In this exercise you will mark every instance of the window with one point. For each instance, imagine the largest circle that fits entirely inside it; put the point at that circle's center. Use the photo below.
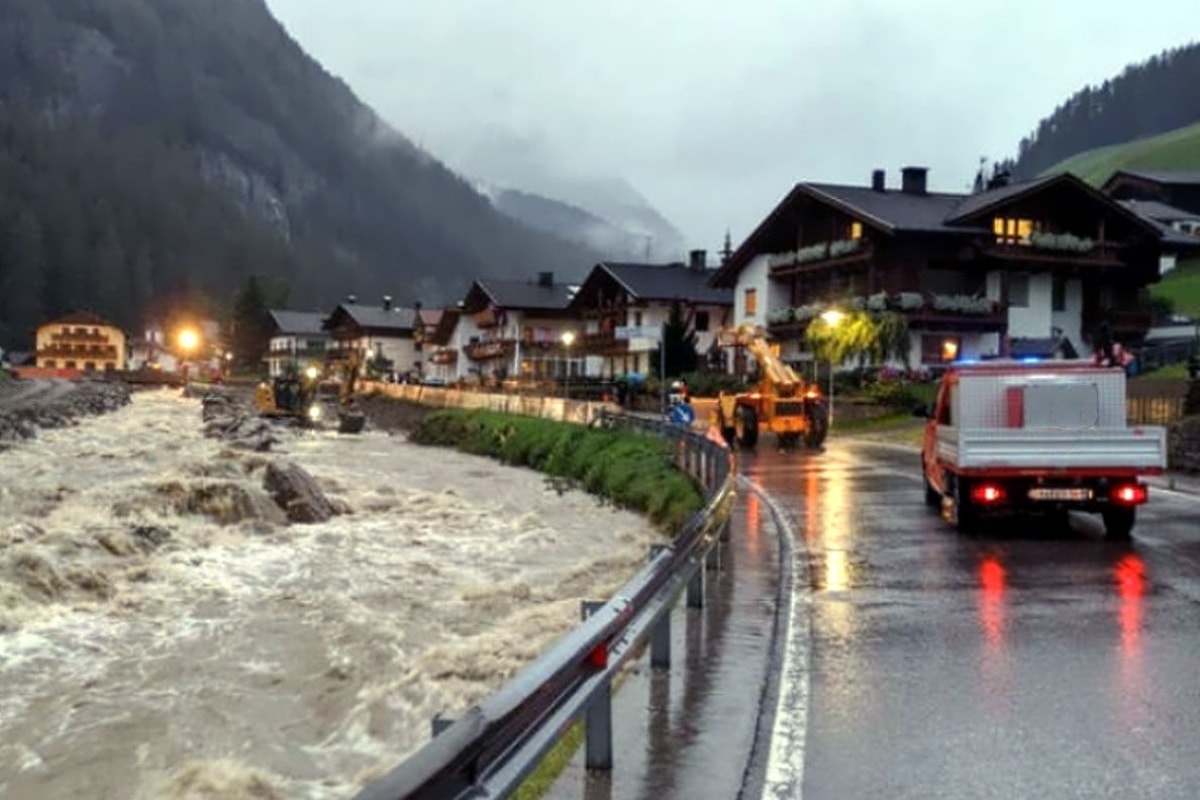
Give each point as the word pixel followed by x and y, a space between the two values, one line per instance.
pixel 940 349
pixel 855 230
pixel 701 321
pixel 751 303
pixel 1018 290
pixel 1058 294
pixel 1012 231
pixel 637 319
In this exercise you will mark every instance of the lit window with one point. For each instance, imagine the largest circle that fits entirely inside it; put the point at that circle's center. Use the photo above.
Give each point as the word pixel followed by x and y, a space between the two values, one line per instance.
pixel 1012 231
pixel 751 302
pixel 855 230
pixel 949 349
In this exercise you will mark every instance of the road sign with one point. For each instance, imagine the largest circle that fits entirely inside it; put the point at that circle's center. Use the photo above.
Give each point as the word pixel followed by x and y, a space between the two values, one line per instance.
pixel 637 332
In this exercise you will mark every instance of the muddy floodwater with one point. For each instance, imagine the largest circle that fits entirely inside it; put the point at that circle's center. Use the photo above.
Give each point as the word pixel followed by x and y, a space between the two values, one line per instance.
pixel 165 633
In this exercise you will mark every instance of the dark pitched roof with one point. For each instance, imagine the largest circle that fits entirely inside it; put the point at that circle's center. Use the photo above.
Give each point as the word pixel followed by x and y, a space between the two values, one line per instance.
pixel 1159 212
pixel 376 317
pixel 981 201
pixel 306 322
pixel 526 295
pixel 891 209
pixel 82 318
pixel 1163 176
pixel 668 282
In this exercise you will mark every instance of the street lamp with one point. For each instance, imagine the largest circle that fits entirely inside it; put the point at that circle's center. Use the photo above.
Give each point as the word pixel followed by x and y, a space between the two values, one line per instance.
pixel 568 338
pixel 189 340
pixel 831 317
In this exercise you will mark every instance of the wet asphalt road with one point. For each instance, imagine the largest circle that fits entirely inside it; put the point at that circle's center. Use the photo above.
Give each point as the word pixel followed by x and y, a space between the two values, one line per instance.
pixel 1022 661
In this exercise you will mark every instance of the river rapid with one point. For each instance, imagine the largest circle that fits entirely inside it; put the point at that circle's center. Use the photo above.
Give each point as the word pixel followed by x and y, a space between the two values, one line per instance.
pixel 160 640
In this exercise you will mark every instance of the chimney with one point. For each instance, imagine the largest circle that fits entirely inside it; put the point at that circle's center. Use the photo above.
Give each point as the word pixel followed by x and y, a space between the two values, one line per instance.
pixel 878 181
pixel 912 180
pixel 545 279
pixel 387 302
pixel 698 259
pixel 351 299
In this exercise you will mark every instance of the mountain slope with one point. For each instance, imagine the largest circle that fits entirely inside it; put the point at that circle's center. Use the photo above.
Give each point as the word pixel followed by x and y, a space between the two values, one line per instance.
pixel 1147 99
pixel 152 149
pixel 615 242
pixel 1175 150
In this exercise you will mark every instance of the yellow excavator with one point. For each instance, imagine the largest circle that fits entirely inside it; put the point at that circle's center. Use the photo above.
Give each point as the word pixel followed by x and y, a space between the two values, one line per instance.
pixel 291 395
pixel 780 402
pixel 295 395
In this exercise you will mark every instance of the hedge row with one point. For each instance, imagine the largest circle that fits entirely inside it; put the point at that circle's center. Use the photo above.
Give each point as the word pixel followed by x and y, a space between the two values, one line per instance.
pixel 630 470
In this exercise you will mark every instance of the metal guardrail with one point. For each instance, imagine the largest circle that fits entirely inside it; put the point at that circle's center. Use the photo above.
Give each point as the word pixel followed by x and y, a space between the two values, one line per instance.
pixel 493 747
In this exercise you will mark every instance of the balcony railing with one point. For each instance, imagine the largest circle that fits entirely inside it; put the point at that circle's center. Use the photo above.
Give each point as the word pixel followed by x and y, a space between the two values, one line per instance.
pixel 819 256
pixel 485 351
pixel 80 336
pixel 79 352
pixel 1079 251
pixel 445 356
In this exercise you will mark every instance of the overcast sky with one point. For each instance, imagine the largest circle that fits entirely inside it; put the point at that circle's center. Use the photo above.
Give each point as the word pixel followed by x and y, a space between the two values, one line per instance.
pixel 712 109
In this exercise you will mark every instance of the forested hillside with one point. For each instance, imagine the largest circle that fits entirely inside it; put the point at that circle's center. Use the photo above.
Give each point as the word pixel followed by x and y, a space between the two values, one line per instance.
pixel 154 152
pixel 1159 95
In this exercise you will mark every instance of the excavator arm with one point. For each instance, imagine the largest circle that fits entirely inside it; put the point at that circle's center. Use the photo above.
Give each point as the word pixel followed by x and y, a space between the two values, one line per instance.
pixel 782 377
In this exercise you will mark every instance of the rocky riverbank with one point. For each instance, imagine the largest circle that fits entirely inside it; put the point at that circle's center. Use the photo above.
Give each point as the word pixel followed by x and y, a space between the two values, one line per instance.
pixel 24 409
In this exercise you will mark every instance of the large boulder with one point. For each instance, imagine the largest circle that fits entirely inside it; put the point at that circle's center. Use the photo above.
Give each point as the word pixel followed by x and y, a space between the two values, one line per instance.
pixel 297 493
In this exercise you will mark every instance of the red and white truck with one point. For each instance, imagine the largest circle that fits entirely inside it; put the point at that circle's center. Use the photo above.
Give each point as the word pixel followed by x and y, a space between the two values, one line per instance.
pixel 1050 436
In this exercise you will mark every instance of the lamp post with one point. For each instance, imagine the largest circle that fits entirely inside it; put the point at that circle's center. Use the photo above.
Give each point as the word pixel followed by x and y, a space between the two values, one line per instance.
pixel 831 317
pixel 189 340
pixel 568 338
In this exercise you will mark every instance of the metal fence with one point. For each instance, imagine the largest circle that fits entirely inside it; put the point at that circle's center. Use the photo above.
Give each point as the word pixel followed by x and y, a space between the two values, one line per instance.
pixel 494 746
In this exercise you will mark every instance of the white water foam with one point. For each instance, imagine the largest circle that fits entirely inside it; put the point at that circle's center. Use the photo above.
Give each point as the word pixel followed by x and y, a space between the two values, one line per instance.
pixel 163 633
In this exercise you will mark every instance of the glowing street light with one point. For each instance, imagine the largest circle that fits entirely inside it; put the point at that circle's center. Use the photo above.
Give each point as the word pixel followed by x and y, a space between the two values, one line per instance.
pixel 189 340
pixel 831 318
pixel 568 339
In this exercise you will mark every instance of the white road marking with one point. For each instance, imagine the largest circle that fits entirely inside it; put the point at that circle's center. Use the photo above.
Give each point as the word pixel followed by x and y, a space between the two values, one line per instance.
pixel 784 779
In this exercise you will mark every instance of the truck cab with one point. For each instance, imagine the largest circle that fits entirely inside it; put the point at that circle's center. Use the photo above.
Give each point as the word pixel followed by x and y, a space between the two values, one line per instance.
pixel 1045 436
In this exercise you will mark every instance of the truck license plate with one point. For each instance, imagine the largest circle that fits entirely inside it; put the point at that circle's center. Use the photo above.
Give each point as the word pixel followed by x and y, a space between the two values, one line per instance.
pixel 1043 493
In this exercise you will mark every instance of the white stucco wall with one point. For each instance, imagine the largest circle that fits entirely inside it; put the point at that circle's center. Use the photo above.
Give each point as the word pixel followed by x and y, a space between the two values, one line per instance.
pixel 1035 319
pixel 755 276
pixel 1070 320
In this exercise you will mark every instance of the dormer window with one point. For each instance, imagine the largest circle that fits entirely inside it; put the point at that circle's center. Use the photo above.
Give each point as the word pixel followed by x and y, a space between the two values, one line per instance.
pixel 1012 230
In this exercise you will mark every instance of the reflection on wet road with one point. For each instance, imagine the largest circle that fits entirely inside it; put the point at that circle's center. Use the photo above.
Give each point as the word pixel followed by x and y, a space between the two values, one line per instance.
pixel 1024 661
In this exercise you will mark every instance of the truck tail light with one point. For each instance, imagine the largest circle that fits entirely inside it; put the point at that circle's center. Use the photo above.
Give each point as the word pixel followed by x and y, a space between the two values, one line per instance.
pixel 987 493
pixel 1129 494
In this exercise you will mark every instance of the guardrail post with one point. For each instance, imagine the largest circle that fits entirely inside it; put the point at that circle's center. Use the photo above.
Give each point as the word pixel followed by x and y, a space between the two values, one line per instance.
pixel 695 589
pixel 598 729
pixel 660 636
pixel 712 561
pixel 440 723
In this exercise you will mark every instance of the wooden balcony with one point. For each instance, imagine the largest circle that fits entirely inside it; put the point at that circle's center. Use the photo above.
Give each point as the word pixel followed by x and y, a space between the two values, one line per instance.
pixel 932 319
pixel 489 351
pixel 864 253
pixel 1100 255
pixel 602 343
pixel 78 352
pixel 445 355
pixel 82 337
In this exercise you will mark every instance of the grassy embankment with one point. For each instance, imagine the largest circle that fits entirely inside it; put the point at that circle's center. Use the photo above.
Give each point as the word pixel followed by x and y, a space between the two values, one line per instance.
pixel 630 470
